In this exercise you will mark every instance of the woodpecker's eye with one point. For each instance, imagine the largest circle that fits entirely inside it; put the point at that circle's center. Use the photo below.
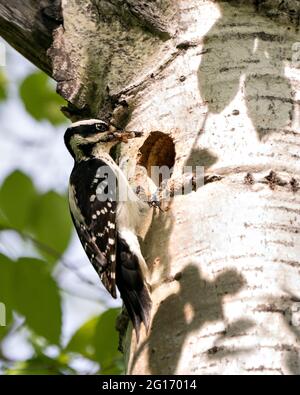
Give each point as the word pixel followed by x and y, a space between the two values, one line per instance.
pixel 101 127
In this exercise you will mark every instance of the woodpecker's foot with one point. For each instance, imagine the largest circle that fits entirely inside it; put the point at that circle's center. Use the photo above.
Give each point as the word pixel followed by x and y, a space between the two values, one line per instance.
pixel 154 201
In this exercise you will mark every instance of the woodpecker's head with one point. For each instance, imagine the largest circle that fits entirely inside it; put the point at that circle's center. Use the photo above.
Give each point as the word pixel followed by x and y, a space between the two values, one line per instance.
pixel 82 137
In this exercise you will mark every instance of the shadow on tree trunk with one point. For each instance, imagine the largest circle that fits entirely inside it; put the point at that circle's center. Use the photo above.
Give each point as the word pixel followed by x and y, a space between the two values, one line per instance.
pixel 255 60
pixel 198 301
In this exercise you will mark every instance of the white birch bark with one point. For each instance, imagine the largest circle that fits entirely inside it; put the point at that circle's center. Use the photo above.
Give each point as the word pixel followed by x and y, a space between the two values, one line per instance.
pixel 231 103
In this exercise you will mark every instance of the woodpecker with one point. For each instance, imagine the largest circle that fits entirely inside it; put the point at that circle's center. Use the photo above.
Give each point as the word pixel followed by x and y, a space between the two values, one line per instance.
pixel 108 224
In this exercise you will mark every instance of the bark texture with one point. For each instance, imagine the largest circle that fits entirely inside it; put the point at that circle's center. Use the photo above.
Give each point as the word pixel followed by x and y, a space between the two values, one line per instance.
pixel 28 26
pixel 216 82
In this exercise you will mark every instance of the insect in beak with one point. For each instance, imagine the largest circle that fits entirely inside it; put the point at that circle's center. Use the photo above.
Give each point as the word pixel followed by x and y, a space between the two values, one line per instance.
pixel 125 136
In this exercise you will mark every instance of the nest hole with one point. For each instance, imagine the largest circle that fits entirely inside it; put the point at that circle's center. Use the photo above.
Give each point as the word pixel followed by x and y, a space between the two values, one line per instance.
pixel 157 155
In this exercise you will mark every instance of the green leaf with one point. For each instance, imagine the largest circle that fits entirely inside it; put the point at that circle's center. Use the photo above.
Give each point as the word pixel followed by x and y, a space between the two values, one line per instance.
pixel 6 291
pixel 17 196
pixel 3 86
pixel 37 298
pixel 40 99
pixel 106 342
pixel 82 342
pixel 45 216
pixel 51 224
pixel 97 340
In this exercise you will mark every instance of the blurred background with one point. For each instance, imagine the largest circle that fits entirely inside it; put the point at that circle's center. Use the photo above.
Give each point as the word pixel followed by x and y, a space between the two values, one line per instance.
pixel 56 316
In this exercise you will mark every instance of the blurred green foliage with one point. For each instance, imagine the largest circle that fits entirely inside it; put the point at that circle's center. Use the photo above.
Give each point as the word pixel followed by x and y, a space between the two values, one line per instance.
pixel 37 298
pixel 40 99
pixel 28 287
pixel 44 217
pixel 97 340
pixel 17 199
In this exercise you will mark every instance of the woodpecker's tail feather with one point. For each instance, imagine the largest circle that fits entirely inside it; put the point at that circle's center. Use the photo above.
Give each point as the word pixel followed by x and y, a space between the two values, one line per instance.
pixel 132 287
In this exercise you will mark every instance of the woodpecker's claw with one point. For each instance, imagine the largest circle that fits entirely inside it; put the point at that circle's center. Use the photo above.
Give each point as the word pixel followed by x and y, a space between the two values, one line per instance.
pixel 154 202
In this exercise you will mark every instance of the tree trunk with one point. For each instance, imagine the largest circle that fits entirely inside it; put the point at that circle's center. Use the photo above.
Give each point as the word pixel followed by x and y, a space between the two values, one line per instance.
pixel 213 84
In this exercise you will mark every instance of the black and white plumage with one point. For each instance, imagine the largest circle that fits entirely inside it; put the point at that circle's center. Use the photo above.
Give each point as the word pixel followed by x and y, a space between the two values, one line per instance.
pixel 106 226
